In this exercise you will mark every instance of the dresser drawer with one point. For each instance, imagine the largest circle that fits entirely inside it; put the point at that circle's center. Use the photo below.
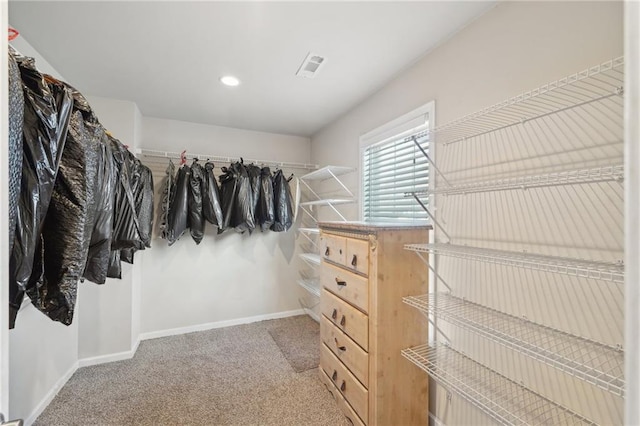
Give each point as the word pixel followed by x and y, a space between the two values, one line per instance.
pixel 344 406
pixel 333 248
pixel 347 285
pixel 347 318
pixel 355 394
pixel 357 255
pixel 347 351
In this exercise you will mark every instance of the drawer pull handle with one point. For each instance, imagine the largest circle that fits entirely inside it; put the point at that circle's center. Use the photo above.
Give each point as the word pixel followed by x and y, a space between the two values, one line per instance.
pixel 340 282
pixel 340 251
pixel 334 377
pixel 343 321
pixel 354 261
pixel 343 386
pixel 334 314
pixel 342 348
pixel 326 252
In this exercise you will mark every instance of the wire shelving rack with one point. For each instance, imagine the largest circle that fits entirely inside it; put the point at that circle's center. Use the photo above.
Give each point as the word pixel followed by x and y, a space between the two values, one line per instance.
pixel 599 364
pixel 504 400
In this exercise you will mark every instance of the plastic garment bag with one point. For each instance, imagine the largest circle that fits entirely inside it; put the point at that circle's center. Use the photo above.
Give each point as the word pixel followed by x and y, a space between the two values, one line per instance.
pixel 211 206
pixel 167 192
pixel 196 218
pixel 254 179
pixel 126 255
pixel 179 208
pixel 145 210
pixel 115 267
pixel 69 221
pixel 126 229
pixel 282 202
pixel 243 216
pixel 46 116
pixel 265 209
pixel 16 116
pixel 228 183
pixel 100 246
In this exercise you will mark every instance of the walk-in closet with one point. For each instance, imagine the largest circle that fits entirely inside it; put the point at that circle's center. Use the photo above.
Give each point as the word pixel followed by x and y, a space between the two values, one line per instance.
pixel 371 213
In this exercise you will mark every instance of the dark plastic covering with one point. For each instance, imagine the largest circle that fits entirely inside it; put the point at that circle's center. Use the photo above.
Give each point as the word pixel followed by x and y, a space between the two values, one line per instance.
pixel 254 179
pixel 126 229
pixel 126 255
pixel 243 215
pixel 196 217
pixel 46 116
pixel 265 210
pixel 115 267
pixel 143 199
pixel 228 183
pixel 100 247
pixel 211 206
pixel 179 208
pixel 69 222
pixel 16 116
pixel 168 184
pixel 283 203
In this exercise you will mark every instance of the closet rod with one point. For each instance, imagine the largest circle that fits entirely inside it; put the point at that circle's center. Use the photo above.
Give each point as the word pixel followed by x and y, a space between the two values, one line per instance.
pixel 217 158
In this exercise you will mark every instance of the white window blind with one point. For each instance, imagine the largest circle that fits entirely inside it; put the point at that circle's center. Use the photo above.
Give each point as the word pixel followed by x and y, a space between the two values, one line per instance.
pixel 392 168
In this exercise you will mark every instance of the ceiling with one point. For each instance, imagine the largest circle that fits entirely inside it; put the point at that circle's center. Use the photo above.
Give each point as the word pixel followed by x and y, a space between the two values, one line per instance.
pixel 167 57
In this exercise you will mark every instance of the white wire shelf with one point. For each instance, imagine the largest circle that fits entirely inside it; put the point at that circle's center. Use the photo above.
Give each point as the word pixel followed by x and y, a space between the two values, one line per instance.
pixel 504 400
pixel 327 202
pixel 327 172
pixel 311 258
pixel 593 84
pixel 594 362
pixel 606 271
pixel 222 159
pixel 309 230
pixel 310 285
pixel 573 177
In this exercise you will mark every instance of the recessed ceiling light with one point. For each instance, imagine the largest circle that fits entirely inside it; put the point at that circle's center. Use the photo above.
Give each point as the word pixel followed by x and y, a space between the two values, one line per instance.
pixel 229 80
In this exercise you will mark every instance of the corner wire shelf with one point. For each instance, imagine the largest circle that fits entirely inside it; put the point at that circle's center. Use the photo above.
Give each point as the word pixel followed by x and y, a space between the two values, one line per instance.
pixel 312 259
pixel 309 230
pixel 217 158
pixel 310 285
pixel 572 177
pixel 327 202
pixel 596 363
pixel 606 271
pixel 504 400
pixel 591 85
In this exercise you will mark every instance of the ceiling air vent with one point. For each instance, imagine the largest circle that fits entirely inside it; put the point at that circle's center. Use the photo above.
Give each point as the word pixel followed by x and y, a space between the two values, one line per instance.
pixel 310 66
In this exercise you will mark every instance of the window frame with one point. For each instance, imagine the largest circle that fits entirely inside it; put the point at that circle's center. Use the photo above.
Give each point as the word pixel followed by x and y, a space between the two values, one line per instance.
pixel 403 126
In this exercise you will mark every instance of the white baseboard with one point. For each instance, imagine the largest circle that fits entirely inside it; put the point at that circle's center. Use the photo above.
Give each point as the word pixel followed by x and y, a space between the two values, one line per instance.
pixel 103 359
pixel 218 324
pixel 49 396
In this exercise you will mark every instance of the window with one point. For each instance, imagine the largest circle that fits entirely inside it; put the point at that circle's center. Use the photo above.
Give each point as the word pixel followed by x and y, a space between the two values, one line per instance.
pixel 393 166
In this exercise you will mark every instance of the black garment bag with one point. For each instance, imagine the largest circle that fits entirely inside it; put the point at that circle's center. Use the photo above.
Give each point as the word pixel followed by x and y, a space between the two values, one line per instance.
pixel 211 206
pixel 167 192
pixel 69 221
pixel 228 183
pixel 179 208
pixel 196 217
pixel 243 213
pixel 283 203
pixel 265 209
pixel 46 117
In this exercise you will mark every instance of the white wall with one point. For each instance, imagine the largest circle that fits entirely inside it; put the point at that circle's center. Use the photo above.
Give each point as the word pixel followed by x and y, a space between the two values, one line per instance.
pixel 514 47
pixel 42 353
pixel 227 277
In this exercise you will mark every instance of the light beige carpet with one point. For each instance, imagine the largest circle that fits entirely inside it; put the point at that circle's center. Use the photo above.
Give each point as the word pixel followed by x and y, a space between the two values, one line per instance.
pixel 299 340
pixel 227 376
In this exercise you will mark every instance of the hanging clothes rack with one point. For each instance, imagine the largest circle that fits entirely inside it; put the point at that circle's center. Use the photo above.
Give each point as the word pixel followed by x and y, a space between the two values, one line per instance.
pixel 217 158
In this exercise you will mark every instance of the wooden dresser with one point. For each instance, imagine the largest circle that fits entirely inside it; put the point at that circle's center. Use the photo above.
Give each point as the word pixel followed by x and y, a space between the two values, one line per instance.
pixel 364 325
